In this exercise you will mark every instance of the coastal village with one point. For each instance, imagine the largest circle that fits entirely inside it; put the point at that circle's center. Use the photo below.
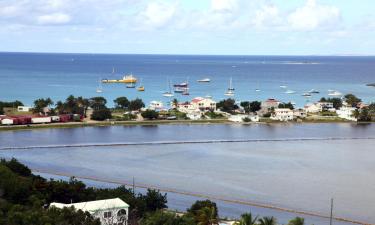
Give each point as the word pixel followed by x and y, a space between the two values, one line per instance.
pixel 348 108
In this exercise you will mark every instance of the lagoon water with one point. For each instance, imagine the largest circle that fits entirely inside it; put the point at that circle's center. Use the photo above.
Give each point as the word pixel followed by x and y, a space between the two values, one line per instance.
pixel 287 170
pixel 28 76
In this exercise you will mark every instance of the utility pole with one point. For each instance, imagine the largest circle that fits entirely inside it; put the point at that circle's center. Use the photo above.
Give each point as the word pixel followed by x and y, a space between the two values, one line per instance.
pixel 331 217
pixel 133 187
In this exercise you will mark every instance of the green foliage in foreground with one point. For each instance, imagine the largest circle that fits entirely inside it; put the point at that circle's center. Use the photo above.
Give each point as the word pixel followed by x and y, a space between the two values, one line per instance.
pixel 23 197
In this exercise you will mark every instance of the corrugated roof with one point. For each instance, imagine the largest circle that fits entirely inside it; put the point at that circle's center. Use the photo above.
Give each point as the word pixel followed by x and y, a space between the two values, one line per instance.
pixel 93 206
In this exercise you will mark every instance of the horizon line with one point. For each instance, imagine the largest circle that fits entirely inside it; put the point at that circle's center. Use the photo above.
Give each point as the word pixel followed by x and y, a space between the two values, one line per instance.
pixel 187 54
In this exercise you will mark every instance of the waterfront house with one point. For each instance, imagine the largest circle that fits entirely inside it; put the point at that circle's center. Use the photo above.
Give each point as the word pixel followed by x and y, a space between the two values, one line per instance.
pixel 108 211
pixel 299 113
pixel 346 113
pixel 326 106
pixel 197 104
pixel 270 103
pixel 283 114
pixel 267 105
pixel 204 104
pixel 156 105
pixel 312 108
pixel 23 109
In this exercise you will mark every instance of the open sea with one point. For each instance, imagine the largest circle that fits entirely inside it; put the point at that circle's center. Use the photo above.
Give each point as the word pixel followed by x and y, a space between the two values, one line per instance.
pixel 28 76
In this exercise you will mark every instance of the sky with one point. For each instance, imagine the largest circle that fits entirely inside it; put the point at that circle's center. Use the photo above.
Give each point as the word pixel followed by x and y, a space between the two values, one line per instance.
pixel 218 27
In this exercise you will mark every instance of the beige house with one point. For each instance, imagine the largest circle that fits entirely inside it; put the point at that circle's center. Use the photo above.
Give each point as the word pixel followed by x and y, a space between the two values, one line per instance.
pixel 283 114
pixel 203 104
pixel 197 104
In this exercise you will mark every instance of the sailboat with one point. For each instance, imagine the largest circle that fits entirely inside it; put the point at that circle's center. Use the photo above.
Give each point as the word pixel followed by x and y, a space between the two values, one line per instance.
pixel 141 87
pixel 257 90
pixel 230 90
pixel 99 89
pixel 169 92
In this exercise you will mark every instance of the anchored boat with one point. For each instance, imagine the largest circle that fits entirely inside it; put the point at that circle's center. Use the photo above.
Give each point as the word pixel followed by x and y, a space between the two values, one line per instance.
pixel 127 79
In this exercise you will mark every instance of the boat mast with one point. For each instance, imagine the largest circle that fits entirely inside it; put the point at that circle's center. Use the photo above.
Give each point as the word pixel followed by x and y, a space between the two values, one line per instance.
pixel 331 216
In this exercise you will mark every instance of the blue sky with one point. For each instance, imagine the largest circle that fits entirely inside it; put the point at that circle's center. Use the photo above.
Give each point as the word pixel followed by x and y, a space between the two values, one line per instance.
pixel 246 27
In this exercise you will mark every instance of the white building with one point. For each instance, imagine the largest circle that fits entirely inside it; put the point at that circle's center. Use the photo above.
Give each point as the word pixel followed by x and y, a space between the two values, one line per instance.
pixel 312 108
pixel 240 118
pixel 23 109
pixel 283 114
pixel 109 211
pixel 346 113
pixel 156 105
pixel 325 106
pixel 299 113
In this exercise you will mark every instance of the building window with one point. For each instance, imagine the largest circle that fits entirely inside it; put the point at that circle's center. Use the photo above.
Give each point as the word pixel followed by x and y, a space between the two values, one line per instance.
pixel 107 214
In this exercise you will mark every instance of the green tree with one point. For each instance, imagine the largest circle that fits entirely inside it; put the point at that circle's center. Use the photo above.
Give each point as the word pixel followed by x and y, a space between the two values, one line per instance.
pixel 155 200
pixel 121 102
pixel 194 210
pixel 175 103
pixel 352 100
pixel 136 104
pixel 247 219
pixel 255 106
pixel 101 114
pixel 41 103
pixel 166 218
pixel 288 105
pixel 267 221
pixel 227 105
pixel 207 216
pixel 246 106
pixel 150 114
pixel 98 103
pixel 297 221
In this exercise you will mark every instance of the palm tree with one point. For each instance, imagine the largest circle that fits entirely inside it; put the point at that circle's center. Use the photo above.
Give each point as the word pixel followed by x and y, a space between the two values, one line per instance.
pixel 207 216
pixel 297 221
pixel 267 220
pixel 175 103
pixel 247 219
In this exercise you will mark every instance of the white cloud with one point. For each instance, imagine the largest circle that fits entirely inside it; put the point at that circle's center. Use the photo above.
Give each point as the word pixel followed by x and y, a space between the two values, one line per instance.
pixel 224 5
pixel 268 15
pixel 313 15
pixel 156 15
pixel 54 19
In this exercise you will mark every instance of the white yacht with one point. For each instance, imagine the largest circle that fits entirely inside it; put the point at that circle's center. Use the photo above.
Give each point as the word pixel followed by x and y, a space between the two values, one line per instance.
pixel 230 90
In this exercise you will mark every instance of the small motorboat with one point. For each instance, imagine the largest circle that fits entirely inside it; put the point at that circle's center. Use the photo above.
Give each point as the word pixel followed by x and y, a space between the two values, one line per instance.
pixel 335 93
pixel 307 94
pixel 283 86
pixel 313 91
pixel 290 92
pixel 204 80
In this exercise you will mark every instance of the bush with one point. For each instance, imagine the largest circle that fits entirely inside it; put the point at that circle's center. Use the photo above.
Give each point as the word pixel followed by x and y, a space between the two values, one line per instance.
pixel 101 114
pixel 150 114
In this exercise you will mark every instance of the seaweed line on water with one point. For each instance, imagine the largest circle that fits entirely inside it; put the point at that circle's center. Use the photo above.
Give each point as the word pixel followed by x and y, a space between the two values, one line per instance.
pixel 182 142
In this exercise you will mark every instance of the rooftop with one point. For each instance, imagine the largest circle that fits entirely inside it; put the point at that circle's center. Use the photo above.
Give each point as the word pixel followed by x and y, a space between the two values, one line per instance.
pixel 93 206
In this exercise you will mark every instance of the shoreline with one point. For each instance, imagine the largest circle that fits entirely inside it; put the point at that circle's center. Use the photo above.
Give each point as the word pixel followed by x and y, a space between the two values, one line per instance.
pixel 162 122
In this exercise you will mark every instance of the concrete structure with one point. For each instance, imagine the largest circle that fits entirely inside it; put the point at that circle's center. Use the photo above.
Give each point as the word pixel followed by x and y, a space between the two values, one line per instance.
pixel 23 109
pixel 346 113
pixel 109 211
pixel 283 114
